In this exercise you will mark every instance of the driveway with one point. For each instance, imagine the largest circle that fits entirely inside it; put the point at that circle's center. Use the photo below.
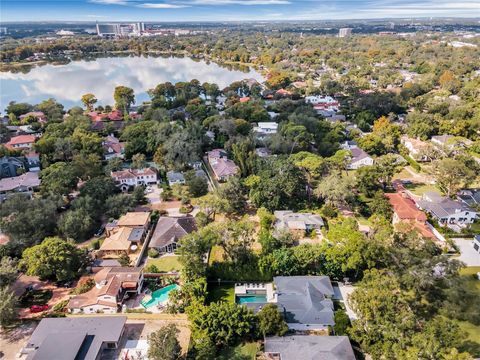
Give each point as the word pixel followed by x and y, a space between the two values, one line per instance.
pixel 342 292
pixel 467 254
pixel 13 340
pixel 154 197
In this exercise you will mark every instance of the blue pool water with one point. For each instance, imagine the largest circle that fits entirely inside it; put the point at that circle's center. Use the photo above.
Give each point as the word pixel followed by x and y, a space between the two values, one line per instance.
pixel 159 296
pixel 251 299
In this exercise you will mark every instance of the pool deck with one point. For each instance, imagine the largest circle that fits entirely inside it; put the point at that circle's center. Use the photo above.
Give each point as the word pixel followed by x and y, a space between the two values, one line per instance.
pixel 256 289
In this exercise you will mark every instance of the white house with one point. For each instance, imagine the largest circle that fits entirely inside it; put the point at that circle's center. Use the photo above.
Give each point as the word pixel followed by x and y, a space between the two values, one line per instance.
pixel 134 177
pixel 359 158
pixel 264 129
pixel 414 147
pixel 452 213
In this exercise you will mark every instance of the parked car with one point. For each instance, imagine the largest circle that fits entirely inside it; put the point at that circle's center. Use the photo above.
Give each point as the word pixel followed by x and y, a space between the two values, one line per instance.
pixel 100 231
pixel 148 190
pixel 38 308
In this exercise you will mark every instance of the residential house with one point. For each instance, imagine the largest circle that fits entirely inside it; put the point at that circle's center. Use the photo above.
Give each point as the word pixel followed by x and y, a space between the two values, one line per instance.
pixel 441 139
pixel 471 197
pixel 113 148
pixel 174 177
pixel 299 224
pixel 405 211
pixel 38 115
pixel 358 159
pixel 452 213
pixel 305 301
pixel 113 285
pixel 24 184
pixel 169 231
pixel 308 347
pixel 33 160
pixel 125 236
pixel 128 178
pixel 21 142
pixel 414 147
pixel 11 166
pixel 323 103
pixel 74 338
pixel 264 129
pixel 222 167
pixel 348 145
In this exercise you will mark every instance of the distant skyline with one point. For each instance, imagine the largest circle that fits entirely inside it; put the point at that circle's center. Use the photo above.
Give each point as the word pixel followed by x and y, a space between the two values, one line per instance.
pixel 230 10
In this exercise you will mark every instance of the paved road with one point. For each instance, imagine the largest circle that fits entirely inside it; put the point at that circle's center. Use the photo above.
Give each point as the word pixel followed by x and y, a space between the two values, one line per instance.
pixel 467 254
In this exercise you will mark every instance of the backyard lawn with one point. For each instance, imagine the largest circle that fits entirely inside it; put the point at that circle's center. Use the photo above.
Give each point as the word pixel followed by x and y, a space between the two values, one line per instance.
pixel 419 188
pixel 247 351
pixel 165 263
pixel 221 293
pixel 472 344
pixel 216 254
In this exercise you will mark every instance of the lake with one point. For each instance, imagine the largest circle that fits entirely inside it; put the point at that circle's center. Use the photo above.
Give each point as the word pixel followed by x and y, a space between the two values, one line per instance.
pixel 67 83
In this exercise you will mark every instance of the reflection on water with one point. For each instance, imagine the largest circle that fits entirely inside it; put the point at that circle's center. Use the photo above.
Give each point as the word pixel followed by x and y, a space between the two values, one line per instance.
pixel 67 83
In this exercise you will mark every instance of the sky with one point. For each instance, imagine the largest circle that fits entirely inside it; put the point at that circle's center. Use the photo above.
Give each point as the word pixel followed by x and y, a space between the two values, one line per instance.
pixel 230 10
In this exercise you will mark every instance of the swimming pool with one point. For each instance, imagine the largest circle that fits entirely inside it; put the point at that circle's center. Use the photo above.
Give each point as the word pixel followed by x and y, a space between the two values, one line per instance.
pixel 246 299
pixel 159 296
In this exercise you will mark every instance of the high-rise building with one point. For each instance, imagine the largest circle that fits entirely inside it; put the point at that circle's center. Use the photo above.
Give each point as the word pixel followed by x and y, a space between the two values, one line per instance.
pixel 116 30
pixel 344 32
pixel 108 30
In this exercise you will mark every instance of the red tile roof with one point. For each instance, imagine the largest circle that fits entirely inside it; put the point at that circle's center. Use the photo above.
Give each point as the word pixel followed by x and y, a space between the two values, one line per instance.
pixel 21 139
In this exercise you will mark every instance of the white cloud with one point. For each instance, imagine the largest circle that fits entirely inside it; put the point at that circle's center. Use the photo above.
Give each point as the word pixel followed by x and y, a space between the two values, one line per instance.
pixel 161 6
pixel 96 16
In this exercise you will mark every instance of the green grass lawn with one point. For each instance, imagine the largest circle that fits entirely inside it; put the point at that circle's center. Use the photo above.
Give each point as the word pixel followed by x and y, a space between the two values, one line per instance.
pixel 216 254
pixel 472 345
pixel 419 188
pixel 245 351
pixel 165 263
pixel 35 297
pixel 221 293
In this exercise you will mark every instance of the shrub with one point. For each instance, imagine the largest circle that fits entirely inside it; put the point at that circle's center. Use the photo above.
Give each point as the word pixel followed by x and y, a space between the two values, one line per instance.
pixel 152 253
pixel 186 209
pixel 152 268
pixel 83 286
pixel 96 244
pixel 342 322
pixel 60 307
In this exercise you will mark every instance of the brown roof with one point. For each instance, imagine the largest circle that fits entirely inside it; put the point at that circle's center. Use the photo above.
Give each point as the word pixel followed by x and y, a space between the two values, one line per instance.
pixel 170 229
pixel 405 208
pixel 224 167
pixel 118 240
pixel 131 173
pixel 134 219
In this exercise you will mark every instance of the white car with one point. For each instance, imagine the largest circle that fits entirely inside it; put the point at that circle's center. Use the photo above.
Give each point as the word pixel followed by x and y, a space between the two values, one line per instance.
pixel 148 189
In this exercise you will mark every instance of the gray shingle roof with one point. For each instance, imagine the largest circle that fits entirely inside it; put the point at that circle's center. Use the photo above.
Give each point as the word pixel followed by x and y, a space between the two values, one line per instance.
pixel 303 299
pixel 171 229
pixel 67 338
pixel 310 347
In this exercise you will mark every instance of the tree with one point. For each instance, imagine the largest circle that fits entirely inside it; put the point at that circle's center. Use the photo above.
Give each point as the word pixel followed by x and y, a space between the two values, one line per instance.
pixel 271 321
pixel 231 194
pixel 8 306
pixel 113 164
pixel 77 224
pixel 139 161
pixel 124 98
pixel 59 178
pixel 280 186
pixel 223 322
pixel 163 344
pixel 197 185
pixel 235 237
pixel 8 271
pixel 342 322
pixel 335 189
pixel 117 205
pixel 89 100
pixel 27 222
pixel 53 259
pixel 451 175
